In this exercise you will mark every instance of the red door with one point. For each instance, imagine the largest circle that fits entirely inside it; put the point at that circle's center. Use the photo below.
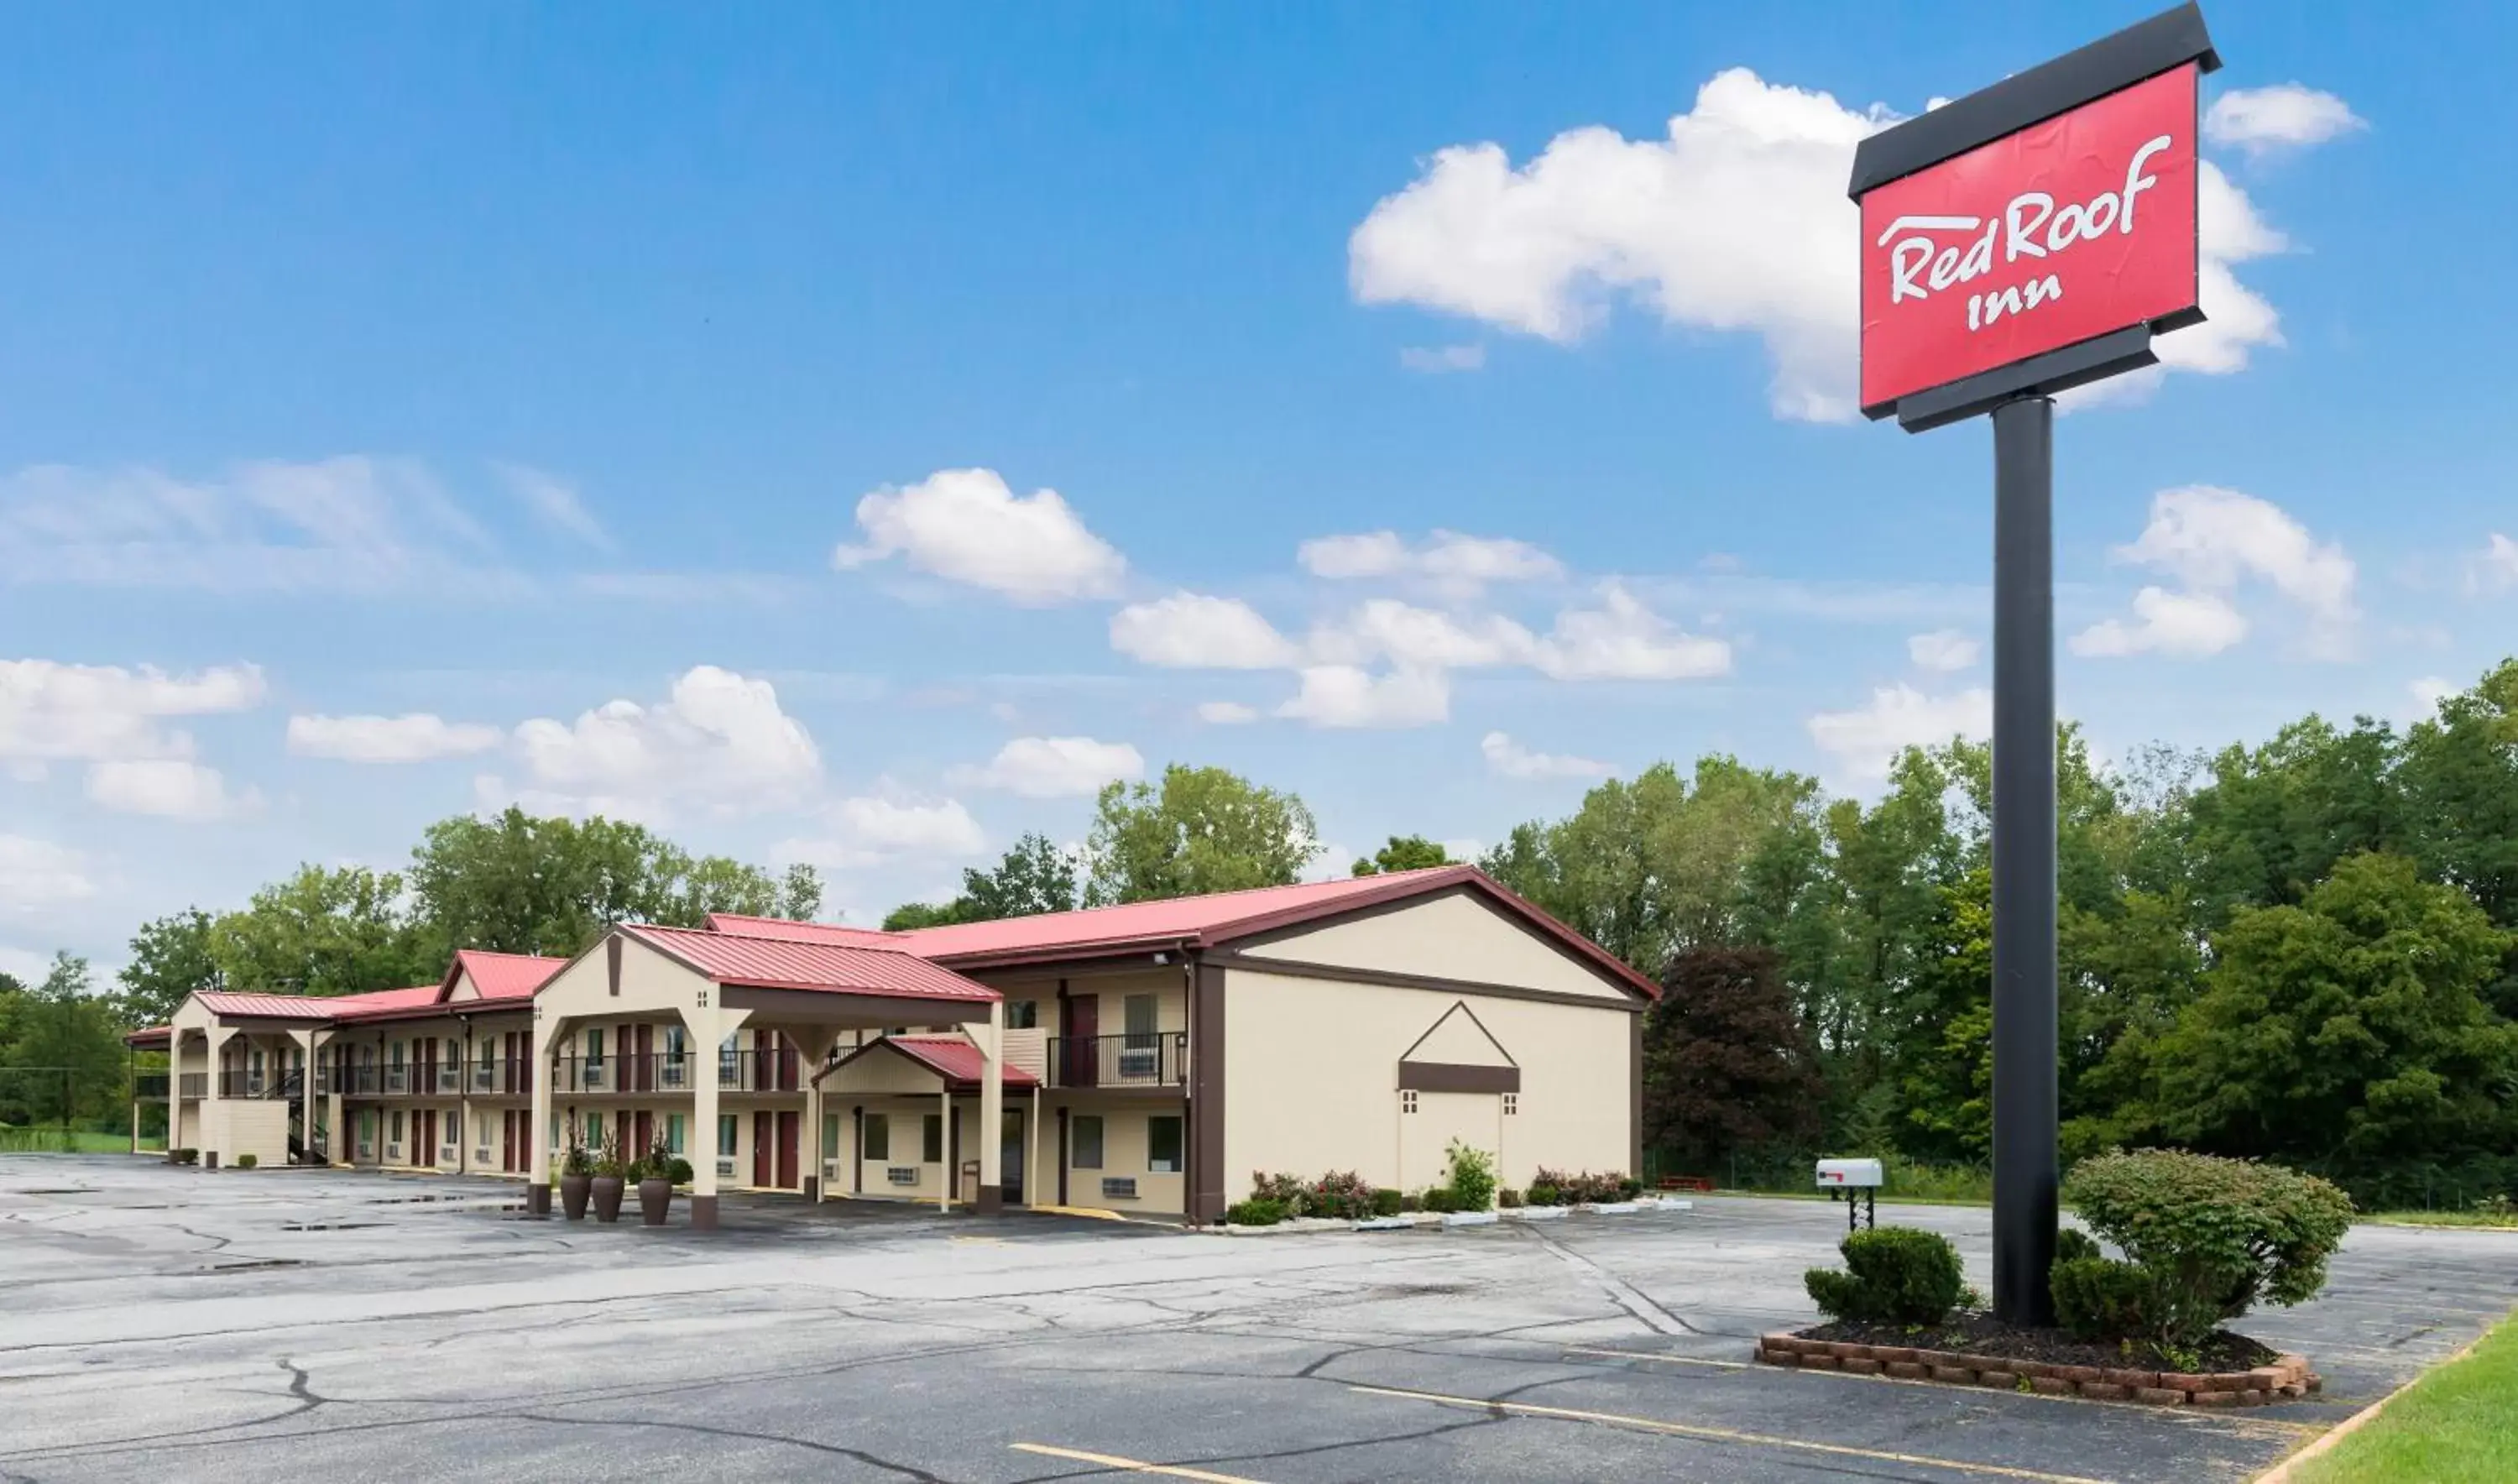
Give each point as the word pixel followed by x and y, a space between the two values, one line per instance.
pixel 646 1131
pixel 1083 1047
pixel 788 1123
pixel 426 1153
pixel 764 1131
pixel 507 1141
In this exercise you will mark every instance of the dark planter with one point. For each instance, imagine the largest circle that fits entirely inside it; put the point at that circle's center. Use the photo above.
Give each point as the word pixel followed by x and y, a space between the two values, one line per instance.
pixel 607 1197
pixel 573 1190
pixel 655 1201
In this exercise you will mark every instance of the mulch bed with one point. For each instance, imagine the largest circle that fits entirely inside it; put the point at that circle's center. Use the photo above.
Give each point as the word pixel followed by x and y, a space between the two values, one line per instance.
pixel 1984 1335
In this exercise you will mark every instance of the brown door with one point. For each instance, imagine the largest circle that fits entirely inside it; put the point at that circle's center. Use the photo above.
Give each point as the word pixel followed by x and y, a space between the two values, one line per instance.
pixel 765 1132
pixel 426 1153
pixel 788 1123
pixel 1083 1047
pixel 643 1079
pixel 507 1141
pixel 646 1131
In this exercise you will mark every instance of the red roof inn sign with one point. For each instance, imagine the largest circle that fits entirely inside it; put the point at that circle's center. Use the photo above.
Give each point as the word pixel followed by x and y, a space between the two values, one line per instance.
pixel 2008 235
pixel 2019 243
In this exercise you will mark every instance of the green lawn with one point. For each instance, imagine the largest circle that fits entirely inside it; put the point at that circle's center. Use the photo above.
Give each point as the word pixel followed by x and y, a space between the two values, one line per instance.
pixel 2460 1421
pixel 53 1141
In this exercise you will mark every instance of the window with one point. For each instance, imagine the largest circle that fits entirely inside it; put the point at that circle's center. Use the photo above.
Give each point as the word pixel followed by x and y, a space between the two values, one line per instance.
pixel 830 1136
pixel 1408 1100
pixel 594 1130
pixel 594 1049
pixel 726 1136
pixel 555 1140
pixel 1163 1145
pixel 874 1133
pixel 397 1127
pixel 1512 1104
pixel 1086 1136
pixel 675 1044
pixel 932 1139
pixel 1023 1014
pixel 397 1053
pixel 729 1063
pixel 676 1130
pixel 1140 1012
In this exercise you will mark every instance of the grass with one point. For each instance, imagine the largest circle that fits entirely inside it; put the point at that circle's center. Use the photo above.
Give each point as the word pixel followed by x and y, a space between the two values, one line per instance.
pixel 2460 1421
pixel 2441 1218
pixel 56 1141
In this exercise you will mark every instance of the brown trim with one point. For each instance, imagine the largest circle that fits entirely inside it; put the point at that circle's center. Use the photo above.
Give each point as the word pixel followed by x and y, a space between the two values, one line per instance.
pixel 612 964
pixel 856 1148
pixel 1007 979
pixel 1206 1093
pixel 1298 969
pixel 840 1007
pixel 1457 1077
pixel 1062 1154
pixel 1458 1007
pixel 1635 1097
pixel 1075 959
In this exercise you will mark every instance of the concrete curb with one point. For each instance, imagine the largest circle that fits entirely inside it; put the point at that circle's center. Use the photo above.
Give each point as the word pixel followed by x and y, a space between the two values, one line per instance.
pixel 2288 1377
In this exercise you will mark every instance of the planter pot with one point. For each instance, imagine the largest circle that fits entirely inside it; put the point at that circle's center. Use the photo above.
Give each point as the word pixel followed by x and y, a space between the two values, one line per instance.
pixel 655 1201
pixel 573 1191
pixel 607 1197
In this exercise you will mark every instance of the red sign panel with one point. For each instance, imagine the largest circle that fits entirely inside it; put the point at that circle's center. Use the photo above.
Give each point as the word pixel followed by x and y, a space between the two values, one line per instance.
pixel 2070 228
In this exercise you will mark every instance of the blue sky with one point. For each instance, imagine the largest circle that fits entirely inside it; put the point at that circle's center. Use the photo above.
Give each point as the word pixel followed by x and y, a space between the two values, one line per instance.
pixel 492 369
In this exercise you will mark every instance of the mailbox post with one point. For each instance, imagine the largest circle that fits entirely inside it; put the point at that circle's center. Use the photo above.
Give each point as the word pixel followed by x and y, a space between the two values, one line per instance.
pixel 1855 1178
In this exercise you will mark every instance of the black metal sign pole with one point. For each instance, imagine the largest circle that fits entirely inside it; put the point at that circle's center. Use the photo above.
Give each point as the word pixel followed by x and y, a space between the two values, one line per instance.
pixel 2024 1044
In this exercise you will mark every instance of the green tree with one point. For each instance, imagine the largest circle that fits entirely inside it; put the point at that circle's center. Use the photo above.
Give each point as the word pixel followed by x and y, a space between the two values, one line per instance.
pixel 1404 853
pixel 65 1052
pixel 1727 1065
pixel 1202 829
pixel 344 930
pixel 2347 1031
pixel 2460 784
pixel 910 916
pixel 1034 877
pixel 170 958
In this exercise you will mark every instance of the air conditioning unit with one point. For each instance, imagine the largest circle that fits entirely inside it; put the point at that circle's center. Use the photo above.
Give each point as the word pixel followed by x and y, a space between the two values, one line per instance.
pixel 902 1174
pixel 393 1151
pixel 725 1169
pixel 480 1157
pixel 1119 1188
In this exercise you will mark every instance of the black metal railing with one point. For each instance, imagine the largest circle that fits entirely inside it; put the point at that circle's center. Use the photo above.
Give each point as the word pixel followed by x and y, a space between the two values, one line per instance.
pixel 1145 1059
pixel 245 1083
pixel 150 1086
pixel 658 1071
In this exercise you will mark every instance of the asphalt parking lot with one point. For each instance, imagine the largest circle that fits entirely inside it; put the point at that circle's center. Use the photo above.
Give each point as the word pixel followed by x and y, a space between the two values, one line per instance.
pixel 161 1323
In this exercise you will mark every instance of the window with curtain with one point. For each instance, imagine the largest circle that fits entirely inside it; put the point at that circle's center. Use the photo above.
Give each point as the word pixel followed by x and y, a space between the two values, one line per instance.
pixel 1086 1138
pixel 726 1136
pixel 1163 1145
pixel 874 1133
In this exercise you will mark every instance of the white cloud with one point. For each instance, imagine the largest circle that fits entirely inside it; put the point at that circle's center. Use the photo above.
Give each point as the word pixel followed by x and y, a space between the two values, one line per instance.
pixel 2212 540
pixel 1194 632
pixel 171 788
pixel 414 737
pixel 965 525
pixel 2496 566
pixel 2185 624
pixel 1346 696
pixel 555 503
pixel 1421 638
pixel 39 877
pixel 1866 740
pixel 1460 565
pixel 1508 759
pixel 1227 713
pixel 1437 359
pixel 884 830
pixel 1942 649
pixel 719 741
pixel 51 711
pixel 2287 116
pixel 2428 692
pixel 1054 768
pixel 1624 641
pixel 1736 220
pixel 349 525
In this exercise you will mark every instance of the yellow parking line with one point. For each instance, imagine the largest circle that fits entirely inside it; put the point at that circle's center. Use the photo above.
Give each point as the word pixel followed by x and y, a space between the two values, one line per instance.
pixel 1130 1465
pixel 1726 1435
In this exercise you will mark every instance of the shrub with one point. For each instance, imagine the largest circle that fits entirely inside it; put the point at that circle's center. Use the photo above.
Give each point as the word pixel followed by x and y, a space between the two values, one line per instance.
pixel 677 1169
pixel 1341 1193
pixel 186 1156
pixel 1439 1198
pixel 579 1160
pixel 1628 1187
pixel 1585 1187
pixel 246 1161
pixel 1510 1199
pixel 1543 1193
pixel 1287 1191
pixel 1386 1203
pixel 1409 1203
pixel 2071 1244
pixel 2098 1298
pixel 2214 1236
pixel 1472 1177
pixel 1893 1275
pixel 1258 1210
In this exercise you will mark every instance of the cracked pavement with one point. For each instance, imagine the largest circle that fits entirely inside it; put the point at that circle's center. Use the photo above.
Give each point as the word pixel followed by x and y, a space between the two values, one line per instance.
pixel 157 1321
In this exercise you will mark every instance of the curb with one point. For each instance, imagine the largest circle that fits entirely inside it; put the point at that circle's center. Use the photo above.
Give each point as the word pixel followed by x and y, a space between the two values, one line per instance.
pixel 2286 1379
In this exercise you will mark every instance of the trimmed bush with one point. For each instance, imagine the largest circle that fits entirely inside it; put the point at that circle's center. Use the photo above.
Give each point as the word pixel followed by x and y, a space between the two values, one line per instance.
pixel 1508 1199
pixel 186 1156
pixel 2099 1298
pixel 1472 1177
pixel 1285 1190
pixel 246 1161
pixel 1585 1187
pixel 1342 1194
pixel 1543 1193
pixel 1409 1203
pixel 1256 1211
pixel 2071 1244
pixel 1893 1275
pixel 1386 1203
pixel 2213 1236
pixel 1439 1198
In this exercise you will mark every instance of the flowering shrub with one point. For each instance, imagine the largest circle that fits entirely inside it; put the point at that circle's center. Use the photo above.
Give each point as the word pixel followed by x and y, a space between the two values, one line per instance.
pixel 1580 1189
pixel 1341 1195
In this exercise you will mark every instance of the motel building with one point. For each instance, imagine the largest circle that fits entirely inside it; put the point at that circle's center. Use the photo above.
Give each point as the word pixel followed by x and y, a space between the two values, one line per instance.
pixel 1145 1059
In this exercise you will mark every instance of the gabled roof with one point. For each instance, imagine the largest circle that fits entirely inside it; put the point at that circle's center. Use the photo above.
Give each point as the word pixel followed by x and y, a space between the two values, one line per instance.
pixel 242 1004
pixel 1196 922
pixel 738 925
pixel 773 963
pixel 500 975
pixel 350 1006
pixel 151 1039
pixel 950 1057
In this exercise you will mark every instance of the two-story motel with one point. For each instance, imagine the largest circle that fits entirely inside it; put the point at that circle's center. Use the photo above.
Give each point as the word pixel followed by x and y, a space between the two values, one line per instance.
pixel 1146 1057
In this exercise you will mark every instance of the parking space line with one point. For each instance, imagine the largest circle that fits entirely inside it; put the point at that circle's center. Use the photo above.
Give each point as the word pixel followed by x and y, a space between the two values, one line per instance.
pixel 2221 1422
pixel 1129 1465
pixel 1726 1435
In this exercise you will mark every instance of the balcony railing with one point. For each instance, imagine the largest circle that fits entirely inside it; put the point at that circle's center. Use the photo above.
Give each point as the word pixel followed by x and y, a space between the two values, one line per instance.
pixel 150 1086
pixel 1157 1059
pixel 194 1084
pixel 778 1070
pixel 245 1083
pixel 368 1079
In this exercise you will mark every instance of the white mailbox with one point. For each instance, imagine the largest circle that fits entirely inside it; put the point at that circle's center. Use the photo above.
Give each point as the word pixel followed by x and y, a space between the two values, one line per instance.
pixel 1848 1174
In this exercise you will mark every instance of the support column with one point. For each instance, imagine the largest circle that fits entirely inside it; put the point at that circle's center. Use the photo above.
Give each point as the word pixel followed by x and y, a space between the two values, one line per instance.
pixel 952 1169
pixel 1032 1150
pixel 813 1045
pixel 537 1176
pixel 2024 1051
pixel 213 1126
pixel 707 1027
pixel 135 1123
pixel 305 1040
pixel 992 1112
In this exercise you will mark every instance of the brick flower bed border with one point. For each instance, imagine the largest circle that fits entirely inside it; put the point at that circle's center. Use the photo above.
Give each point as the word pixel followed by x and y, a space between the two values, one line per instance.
pixel 2286 1379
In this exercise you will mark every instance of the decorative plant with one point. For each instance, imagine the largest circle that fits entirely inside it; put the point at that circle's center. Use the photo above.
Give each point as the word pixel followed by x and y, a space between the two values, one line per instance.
pixel 1439 1198
pixel 246 1161
pixel 1258 1210
pixel 1339 1193
pixel 579 1160
pixel 1472 1177
pixel 1285 1190
pixel 607 1160
pixel 1387 1203
pixel 1508 1199
pixel 1894 1274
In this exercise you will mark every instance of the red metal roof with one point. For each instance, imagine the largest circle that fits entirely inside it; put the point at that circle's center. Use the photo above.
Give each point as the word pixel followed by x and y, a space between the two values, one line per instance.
pixel 150 1037
pixel 501 976
pixel 1202 922
pixel 772 963
pixel 352 1006
pixel 737 924
pixel 952 1058
pixel 269 1007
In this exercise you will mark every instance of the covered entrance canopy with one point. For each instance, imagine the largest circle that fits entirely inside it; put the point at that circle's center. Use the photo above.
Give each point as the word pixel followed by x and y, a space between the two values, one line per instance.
pixel 808 991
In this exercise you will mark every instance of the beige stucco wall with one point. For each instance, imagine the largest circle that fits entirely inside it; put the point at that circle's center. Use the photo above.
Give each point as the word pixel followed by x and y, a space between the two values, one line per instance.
pixel 1458 938
pixel 1311 1077
pixel 1123 1156
pixel 257 1126
pixel 1168 984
